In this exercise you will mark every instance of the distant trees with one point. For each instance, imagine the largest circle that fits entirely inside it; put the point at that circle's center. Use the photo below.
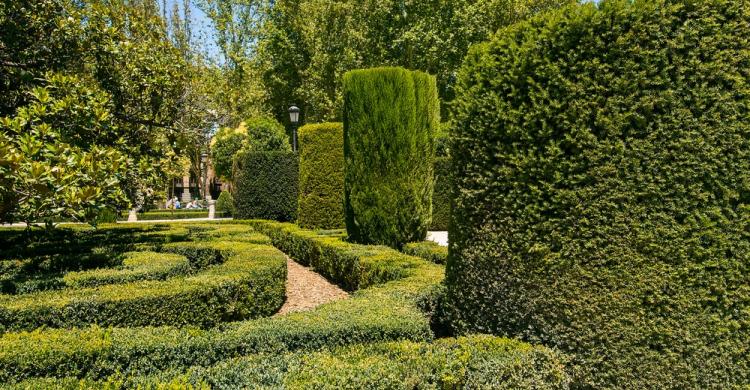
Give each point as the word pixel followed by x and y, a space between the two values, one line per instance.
pixel 307 46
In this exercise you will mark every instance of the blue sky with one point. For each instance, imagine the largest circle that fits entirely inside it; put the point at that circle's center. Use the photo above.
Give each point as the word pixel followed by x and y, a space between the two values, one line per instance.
pixel 202 30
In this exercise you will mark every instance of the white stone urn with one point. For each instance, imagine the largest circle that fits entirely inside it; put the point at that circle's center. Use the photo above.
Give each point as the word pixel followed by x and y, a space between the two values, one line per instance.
pixel 133 215
pixel 211 209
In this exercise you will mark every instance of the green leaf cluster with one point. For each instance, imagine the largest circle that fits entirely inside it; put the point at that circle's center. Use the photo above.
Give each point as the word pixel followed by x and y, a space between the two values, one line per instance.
pixel 602 169
pixel 441 197
pixel 51 163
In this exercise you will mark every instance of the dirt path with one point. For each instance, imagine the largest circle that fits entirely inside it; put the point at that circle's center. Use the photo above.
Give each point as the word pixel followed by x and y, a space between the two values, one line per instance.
pixel 306 289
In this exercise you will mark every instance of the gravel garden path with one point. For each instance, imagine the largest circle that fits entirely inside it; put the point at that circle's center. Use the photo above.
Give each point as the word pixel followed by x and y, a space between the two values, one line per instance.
pixel 306 289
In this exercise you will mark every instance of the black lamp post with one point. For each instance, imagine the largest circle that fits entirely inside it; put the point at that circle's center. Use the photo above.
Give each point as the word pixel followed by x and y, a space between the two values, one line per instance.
pixel 294 118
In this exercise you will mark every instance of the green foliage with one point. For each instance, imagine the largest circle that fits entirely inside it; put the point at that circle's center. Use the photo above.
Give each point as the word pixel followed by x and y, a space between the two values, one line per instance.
pixel 390 118
pixel 123 75
pixel 601 191
pixel 265 135
pixel 136 266
pixel 428 250
pixel 381 312
pixel 266 185
pixel 351 266
pixel 257 135
pixel 321 176
pixel 247 282
pixel 469 362
pixel 51 166
pixel 441 197
pixel 306 46
pixel 224 147
pixel 225 204
pixel 442 140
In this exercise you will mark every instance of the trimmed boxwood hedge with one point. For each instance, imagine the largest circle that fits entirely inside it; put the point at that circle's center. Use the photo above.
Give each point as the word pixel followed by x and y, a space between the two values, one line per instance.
pixel 321 176
pixel 248 282
pixel 351 266
pixel 136 266
pixel 468 362
pixel 391 116
pixel 602 197
pixel 175 214
pixel 265 185
pixel 428 250
pixel 441 198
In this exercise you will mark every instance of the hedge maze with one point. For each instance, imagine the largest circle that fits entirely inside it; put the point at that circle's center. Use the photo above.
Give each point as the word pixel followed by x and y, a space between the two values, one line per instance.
pixel 191 305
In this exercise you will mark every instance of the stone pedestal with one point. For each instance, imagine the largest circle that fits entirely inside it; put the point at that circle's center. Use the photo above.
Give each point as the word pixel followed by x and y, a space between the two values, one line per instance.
pixel 133 215
pixel 211 209
pixel 185 198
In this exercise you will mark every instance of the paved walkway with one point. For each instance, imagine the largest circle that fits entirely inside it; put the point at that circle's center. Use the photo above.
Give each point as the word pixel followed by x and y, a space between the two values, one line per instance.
pixel 439 237
pixel 306 289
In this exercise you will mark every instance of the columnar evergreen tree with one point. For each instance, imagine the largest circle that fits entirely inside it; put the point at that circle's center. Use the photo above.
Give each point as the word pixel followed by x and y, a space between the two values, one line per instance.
pixel 390 119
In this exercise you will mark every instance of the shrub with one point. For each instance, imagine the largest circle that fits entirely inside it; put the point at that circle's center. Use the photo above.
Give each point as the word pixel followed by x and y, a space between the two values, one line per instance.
pixel 136 266
pixel 442 140
pixel 225 204
pixel 470 362
pixel 321 176
pixel 390 118
pixel 428 250
pixel 441 198
pixel 266 185
pixel 248 283
pixel 602 163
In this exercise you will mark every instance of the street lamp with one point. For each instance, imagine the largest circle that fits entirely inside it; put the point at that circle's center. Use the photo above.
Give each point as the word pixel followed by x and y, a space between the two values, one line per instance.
pixel 294 118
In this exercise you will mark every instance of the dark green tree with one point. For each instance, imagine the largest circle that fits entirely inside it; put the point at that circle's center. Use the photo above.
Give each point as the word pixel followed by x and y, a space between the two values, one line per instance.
pixel 602 167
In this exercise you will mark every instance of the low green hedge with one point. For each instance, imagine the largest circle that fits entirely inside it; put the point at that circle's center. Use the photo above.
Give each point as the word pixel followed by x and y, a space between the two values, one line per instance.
pixel 351 266
pixel 321 176
pixel 428 250
pixel 383 312
pixel 467 362
pixel 136 266
pixel 249 283
pixel 266 185
pixel 176 214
